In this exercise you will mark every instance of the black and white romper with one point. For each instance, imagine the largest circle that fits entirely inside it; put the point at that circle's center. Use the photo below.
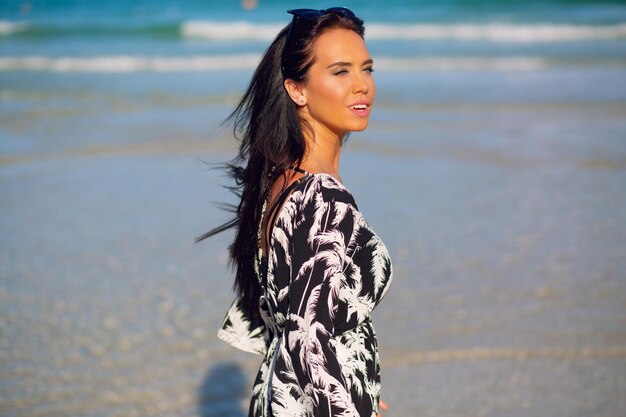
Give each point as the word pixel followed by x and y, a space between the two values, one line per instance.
pixel 325 272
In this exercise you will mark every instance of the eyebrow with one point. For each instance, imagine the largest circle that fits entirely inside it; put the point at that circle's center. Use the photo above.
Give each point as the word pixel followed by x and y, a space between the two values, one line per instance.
pixel 349 64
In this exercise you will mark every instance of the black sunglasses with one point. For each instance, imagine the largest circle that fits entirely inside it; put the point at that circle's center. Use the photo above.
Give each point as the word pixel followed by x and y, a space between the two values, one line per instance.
pixel 311 15
pixel 314 13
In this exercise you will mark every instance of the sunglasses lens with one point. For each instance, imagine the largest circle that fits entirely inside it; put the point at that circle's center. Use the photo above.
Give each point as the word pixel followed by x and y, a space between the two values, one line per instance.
pixel 306 13
pixel 314 14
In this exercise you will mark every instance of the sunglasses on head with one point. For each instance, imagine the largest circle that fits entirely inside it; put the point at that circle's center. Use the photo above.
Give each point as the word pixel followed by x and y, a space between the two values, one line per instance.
pixel 312 14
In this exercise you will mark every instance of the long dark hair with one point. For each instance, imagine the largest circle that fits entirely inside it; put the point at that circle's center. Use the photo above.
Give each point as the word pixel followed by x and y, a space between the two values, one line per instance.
pixel 271 134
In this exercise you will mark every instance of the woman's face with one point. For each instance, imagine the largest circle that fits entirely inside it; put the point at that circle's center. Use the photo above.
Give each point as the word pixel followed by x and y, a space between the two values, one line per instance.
pixel 339 89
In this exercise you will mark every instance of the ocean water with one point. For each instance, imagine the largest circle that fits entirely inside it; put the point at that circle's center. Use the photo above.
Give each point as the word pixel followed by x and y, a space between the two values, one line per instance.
pixel 494 168
pixel 108 37
pixel 64 57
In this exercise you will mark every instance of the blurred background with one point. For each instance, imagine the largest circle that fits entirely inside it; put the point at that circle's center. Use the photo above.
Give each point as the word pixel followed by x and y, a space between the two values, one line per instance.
pixel 494 169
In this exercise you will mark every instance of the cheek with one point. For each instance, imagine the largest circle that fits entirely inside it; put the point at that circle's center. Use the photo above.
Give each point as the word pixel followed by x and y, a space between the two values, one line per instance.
pixel 329 92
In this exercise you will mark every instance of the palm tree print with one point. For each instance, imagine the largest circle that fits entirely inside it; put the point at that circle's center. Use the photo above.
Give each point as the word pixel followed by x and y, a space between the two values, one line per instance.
pixel 326 271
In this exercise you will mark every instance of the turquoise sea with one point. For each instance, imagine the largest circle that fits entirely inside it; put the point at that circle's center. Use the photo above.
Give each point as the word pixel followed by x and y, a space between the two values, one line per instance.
pixel 494 169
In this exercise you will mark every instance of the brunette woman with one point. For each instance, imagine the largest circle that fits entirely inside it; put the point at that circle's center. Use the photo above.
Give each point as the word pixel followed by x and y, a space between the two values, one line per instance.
pixel 309 269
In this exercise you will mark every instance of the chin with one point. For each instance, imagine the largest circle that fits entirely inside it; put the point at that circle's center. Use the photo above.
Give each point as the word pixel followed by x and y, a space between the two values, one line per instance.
pixel 358 127
pixel 354 126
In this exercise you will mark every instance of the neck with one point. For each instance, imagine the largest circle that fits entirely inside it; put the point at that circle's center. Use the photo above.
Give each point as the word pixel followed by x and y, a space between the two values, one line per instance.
pixel 323 149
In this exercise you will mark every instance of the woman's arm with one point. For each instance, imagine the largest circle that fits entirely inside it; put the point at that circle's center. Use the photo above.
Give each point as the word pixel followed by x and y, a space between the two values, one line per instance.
pixel 319 245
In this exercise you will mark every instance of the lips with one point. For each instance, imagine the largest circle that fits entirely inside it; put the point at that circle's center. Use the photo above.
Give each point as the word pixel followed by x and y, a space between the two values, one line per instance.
pixel 360 108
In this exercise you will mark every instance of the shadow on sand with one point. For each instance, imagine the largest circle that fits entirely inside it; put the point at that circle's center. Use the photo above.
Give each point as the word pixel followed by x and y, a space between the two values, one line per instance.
pixel 222 392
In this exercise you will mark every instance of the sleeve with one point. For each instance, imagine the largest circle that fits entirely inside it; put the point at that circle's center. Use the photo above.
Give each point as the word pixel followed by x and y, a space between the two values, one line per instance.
pixel 242 332
pixel 319 247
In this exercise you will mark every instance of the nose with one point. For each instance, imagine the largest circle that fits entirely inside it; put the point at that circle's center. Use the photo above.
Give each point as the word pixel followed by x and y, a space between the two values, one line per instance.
pixel 360 83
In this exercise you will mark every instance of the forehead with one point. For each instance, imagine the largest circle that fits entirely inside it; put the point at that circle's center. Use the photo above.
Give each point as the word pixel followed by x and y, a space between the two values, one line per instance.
pixel 340 45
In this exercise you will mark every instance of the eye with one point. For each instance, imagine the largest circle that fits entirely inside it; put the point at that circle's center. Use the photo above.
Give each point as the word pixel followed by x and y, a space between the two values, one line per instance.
pixel 369 69
pixel 341 72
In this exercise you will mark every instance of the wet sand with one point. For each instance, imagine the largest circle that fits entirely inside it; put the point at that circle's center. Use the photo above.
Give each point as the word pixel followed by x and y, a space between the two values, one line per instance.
pixel 505 222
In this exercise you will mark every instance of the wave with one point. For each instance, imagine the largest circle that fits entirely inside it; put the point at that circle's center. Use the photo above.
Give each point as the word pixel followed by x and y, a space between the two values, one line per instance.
pixel 249 31
pixel 461 64
pixel 496 32
pixel 33 30
pixel 130 64
pixel 222 31
pixel 10 28
pixel 125 63
pixel 491 32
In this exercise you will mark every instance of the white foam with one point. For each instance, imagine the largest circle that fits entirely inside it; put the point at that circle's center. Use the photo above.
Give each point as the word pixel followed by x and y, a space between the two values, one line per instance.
pixel 495 32
pixel 127 64
pixel 490 32
pixel 390 64
pixel 222 31
pixel 116 64
pixel 487 32
pixel 9 28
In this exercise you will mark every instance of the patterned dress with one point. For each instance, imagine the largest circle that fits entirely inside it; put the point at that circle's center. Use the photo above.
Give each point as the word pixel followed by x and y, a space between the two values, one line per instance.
pixel 325 272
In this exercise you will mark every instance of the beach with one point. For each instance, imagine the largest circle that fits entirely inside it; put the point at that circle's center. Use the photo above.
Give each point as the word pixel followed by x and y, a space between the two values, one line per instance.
pixel 494 169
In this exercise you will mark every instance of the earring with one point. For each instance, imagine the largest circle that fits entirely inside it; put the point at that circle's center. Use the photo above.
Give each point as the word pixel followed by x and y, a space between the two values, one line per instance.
pixel 301 101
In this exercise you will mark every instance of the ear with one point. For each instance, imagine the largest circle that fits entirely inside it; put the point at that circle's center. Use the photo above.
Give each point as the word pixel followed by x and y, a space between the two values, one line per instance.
pixel 295 91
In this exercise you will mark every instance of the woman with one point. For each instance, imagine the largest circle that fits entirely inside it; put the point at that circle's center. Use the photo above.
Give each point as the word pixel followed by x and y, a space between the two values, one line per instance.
pixel 309 269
